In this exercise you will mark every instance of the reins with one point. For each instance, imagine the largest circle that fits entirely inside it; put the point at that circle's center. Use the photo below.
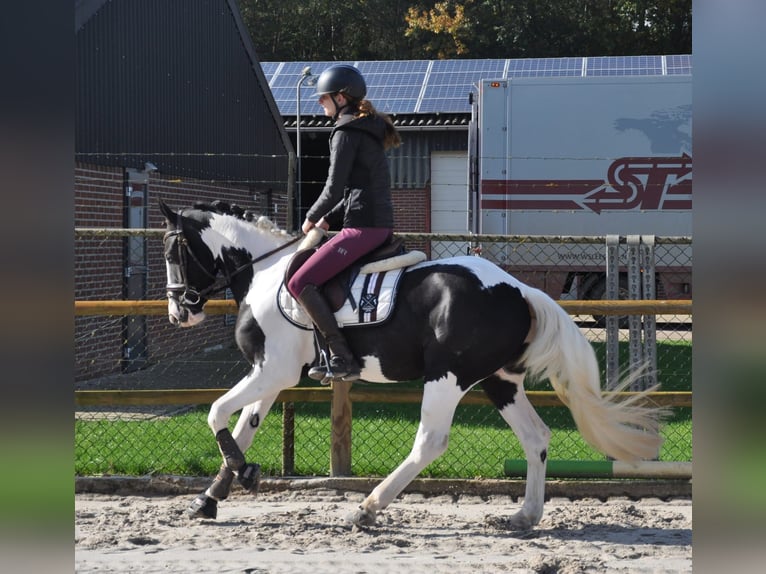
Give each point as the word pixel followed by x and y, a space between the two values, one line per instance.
pixel 184 249
pixel 230 276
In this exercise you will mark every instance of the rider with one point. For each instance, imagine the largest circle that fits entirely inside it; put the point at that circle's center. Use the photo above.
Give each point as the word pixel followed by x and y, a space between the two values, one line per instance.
pixel 356 195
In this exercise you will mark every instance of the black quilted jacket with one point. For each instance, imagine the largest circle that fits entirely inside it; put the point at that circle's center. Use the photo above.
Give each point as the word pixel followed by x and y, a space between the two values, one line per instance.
pixel 357 192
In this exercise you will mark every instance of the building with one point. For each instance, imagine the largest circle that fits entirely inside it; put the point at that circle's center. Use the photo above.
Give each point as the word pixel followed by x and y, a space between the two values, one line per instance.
pixel 429 102
pixel 171 103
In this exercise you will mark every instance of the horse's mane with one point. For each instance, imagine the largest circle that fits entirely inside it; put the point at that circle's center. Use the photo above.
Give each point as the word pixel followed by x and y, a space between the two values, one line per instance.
pixel 226 208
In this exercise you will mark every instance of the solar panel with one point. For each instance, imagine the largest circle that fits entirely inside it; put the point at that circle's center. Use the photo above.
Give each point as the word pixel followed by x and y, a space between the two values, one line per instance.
pixel 442 86
pixel 393 66
pixel 450 81
pixel 544 67
pixel 270 67
pixel 679 64
pixel 624 66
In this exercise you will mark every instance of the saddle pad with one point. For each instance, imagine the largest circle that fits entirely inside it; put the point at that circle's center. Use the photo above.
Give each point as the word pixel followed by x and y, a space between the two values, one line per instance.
pixel 372 299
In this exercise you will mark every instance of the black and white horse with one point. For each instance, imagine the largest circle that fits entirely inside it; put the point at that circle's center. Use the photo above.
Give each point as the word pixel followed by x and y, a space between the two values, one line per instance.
pixel 456 323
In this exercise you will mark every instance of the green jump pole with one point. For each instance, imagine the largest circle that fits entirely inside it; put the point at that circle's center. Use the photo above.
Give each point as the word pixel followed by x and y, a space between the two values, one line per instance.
pixel 605 468
pixel 564 468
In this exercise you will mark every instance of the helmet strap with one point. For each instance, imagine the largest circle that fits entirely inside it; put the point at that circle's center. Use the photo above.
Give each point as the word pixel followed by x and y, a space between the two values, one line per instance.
pixel 338 108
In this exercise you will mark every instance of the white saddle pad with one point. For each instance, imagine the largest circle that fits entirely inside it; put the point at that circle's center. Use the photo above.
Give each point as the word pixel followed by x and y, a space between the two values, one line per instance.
pixel 372 299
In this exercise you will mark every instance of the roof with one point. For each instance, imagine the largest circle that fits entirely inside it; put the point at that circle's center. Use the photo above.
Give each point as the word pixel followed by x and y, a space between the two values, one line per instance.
pixel 438 90
pixel 176 83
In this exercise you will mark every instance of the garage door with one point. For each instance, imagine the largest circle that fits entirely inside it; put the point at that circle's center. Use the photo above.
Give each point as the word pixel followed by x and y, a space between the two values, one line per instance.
pixel 449 201
pixel 449 192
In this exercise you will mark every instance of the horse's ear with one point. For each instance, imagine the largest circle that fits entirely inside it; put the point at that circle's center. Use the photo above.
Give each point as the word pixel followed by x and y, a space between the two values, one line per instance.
pixel 169 214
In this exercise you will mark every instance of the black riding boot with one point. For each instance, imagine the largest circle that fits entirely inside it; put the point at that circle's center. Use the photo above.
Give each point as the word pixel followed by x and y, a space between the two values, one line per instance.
pixel 342 364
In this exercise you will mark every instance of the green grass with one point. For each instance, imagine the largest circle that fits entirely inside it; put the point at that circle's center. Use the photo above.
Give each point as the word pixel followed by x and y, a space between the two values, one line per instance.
pixel 382 436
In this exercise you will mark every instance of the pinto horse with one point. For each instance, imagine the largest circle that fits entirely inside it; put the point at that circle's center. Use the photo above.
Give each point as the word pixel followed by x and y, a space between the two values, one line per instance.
pixel 455 323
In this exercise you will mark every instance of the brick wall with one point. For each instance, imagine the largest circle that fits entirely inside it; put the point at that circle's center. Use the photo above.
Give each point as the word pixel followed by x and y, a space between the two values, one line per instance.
pixel 412 214
pixel 99 265
pixel 98 269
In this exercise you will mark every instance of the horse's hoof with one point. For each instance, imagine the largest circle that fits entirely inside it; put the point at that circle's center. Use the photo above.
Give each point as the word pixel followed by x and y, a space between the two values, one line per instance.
pixel 362 517
pixel 203 507
pixel 250 477
pixel 518 522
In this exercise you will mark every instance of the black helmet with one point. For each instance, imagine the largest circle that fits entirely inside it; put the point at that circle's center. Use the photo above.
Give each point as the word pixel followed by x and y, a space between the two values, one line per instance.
pixel 342 78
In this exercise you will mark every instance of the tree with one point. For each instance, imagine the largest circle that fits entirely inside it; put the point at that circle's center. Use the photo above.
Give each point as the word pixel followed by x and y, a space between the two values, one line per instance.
pixel 294 30
pixel 441 30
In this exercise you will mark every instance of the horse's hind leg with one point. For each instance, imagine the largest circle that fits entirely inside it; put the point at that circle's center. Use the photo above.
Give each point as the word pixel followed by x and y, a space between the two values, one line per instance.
pixel 205 505
pixel 439 401
pixel 505 389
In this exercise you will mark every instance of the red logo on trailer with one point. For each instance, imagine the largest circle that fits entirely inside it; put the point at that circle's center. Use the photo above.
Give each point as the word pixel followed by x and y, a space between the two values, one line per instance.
pixel 643 183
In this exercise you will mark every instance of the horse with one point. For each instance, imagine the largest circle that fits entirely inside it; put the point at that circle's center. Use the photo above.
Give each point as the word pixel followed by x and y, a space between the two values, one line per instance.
pixel 455 323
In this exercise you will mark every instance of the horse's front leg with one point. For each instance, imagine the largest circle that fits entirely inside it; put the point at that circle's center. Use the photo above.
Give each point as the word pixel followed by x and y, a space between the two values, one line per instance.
pixel 232 447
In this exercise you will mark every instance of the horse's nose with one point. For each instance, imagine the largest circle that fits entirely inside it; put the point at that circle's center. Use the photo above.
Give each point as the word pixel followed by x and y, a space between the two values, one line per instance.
pixel 177 314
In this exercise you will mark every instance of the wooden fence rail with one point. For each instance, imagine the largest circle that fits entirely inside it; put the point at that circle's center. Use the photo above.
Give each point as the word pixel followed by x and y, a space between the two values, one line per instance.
pixel 229 307
pixel 322 395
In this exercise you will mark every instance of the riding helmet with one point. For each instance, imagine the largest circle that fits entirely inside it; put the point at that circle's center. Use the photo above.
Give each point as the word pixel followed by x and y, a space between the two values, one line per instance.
pixel 342 78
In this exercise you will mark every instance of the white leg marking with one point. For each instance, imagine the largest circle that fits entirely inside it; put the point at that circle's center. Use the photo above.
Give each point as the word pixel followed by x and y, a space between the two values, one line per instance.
pixel 534 437
pixel 440 398
pixel 244 431
pixel 279 371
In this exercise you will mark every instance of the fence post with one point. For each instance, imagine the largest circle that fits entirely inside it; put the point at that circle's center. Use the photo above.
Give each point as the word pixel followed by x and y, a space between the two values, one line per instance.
pixel 634 293
pixel 340 415
pixel 650 319
pixel 288 439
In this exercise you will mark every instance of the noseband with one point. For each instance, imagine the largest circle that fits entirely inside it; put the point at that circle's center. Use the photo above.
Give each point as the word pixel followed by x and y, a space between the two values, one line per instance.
pixel 189 296
pixel 185 294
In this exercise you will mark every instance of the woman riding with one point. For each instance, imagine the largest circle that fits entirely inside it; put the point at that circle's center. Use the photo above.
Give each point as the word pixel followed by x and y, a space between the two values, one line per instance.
pixel 356 196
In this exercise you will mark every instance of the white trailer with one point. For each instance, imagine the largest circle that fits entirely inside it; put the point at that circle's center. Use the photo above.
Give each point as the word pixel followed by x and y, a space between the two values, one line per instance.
pixel 585 156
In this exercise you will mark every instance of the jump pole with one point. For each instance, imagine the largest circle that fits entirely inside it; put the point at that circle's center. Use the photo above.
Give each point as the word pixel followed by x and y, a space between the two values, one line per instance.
pixel 605 469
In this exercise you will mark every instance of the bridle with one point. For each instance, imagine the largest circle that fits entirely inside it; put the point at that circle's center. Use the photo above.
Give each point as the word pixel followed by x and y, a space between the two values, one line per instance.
pixel 189 296
pixel 181 290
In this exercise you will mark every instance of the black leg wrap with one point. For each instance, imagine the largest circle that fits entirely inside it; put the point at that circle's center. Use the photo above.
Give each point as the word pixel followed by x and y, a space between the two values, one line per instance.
pixel 203 507
pixel 232 455
pixel 249 477
pixel 221 486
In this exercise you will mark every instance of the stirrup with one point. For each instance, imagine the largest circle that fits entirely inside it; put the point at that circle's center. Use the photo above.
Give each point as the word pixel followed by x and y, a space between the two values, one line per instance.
pixel 319 371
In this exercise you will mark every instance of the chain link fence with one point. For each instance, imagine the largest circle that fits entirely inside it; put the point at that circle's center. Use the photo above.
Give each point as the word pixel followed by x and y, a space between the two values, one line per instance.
pixel 146 353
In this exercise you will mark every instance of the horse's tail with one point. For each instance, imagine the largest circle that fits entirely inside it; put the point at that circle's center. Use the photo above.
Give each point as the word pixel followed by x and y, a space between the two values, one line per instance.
pixel 621 429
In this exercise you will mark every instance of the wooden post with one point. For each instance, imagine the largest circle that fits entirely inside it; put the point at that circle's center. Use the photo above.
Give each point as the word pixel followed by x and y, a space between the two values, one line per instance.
pixel 340 414
pixel 288 439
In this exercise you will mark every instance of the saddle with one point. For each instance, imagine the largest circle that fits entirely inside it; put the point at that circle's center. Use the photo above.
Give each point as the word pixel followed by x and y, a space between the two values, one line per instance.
pixel 338 289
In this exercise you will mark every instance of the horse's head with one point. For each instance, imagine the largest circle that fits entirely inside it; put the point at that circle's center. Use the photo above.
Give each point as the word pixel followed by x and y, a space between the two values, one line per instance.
pixel 191 266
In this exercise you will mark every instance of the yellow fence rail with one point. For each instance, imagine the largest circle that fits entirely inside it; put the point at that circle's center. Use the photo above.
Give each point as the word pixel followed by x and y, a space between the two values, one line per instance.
pixel 229 307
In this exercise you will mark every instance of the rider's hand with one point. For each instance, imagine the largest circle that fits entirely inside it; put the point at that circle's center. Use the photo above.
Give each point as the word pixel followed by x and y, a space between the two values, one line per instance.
pixel 309 225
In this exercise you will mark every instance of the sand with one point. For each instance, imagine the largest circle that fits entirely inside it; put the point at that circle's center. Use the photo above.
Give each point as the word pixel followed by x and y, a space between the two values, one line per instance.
pixel 305 531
